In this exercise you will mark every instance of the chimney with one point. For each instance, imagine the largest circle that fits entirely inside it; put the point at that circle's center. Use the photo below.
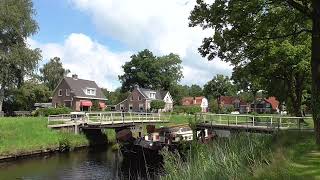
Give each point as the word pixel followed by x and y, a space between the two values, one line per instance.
pixel 136 86
pixel 75 77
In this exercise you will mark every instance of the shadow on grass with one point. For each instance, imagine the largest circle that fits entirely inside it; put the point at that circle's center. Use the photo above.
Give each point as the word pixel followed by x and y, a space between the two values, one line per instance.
pixel 307 166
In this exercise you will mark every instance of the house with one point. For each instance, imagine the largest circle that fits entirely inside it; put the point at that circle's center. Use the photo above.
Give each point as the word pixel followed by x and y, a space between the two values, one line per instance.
pixel 234 102
pixel 265 105
pixel 78 94
pixel 196 101
pixel 139 100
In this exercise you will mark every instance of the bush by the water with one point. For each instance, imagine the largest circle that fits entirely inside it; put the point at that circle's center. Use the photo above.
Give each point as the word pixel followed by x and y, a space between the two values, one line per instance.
pixel 233 158
pixel 187 109
pixel 52 111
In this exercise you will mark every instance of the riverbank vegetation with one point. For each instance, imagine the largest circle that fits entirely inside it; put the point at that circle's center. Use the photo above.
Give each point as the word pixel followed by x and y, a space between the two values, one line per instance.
pixel 290 155
pixel 23 135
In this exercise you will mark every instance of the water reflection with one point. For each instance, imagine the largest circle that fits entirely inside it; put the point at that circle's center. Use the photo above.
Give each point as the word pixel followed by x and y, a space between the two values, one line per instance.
pixel 97 163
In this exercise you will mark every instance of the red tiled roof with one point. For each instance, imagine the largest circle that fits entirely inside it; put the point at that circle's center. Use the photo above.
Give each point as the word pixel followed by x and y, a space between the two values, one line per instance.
pixel 273 101
pixel 187 101
pixel 230 100
pixel 227 100
pixel 198 100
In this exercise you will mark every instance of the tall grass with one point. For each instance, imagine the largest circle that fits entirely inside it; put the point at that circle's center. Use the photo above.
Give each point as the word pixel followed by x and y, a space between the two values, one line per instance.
pixel 232 158
pixel 247 156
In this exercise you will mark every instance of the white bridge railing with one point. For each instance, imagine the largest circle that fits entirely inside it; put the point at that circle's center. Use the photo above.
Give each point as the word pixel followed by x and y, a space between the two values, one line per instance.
pixel 123 117
pixel 263 121
pixel 106 118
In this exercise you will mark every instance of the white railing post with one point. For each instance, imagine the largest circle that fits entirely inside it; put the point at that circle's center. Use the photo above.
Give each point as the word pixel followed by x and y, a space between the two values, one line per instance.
pixel 100 118
pixel 271 122
pixel 220 118
pixel 280 122
pixel 236 120
pixel 139 118
pixel 111 118
pixel 252 120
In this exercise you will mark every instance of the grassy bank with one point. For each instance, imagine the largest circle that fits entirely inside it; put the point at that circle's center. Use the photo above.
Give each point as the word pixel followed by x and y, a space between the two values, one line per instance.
pixel 291 155
pixel 20 135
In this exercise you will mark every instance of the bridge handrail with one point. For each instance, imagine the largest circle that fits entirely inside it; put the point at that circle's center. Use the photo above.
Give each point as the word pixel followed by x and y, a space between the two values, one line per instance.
pixel 269 121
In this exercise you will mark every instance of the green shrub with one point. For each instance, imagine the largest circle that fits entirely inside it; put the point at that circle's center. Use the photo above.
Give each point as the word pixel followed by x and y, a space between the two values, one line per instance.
pixel 52 111
pixel 228 109
pixel 157 104
pixel 187 109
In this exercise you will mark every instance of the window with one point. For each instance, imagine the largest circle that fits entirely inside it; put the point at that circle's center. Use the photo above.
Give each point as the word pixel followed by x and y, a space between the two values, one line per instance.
pixel 60 92
pixel 152 95
pixel 141 107
pixel 130 107
pixel 67 92
pixel 91 91
pixel 121 107
pixel 139 98
pixel 131 98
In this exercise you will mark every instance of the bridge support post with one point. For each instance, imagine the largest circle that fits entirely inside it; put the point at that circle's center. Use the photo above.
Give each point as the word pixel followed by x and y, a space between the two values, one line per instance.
pixel 76 129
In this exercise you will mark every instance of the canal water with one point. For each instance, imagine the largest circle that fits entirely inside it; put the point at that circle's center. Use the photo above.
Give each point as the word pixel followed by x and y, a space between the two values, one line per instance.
pixel 93 163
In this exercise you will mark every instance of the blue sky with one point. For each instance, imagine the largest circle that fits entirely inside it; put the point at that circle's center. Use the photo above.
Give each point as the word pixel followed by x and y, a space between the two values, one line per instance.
pixel 94 38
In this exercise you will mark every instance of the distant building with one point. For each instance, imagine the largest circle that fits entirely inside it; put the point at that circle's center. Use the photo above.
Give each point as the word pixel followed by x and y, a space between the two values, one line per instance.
pixel 139 100
pixel 235 102
pixel 196 101
pixel 78 94
pixel 265 105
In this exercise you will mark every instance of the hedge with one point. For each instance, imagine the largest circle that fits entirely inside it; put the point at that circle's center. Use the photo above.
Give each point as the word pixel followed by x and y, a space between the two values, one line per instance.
pixel 52 111
pixel 187 109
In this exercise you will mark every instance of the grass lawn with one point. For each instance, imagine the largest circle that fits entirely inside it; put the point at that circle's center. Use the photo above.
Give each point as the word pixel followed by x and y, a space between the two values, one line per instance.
pixel 25 134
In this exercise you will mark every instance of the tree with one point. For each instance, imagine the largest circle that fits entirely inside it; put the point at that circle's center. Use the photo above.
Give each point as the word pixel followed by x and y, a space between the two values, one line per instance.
pixel 240 25
pixel 16 59
pixel 26 96
pixel 52 72
pixel 219 86
pixel 195 90
pixel 178 92
pixel 30 93
pixel 114 97
pixel 150 71
pixel 157 104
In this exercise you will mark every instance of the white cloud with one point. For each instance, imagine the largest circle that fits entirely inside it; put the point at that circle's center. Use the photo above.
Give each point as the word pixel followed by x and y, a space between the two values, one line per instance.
pixel 159 25
pixel 87 58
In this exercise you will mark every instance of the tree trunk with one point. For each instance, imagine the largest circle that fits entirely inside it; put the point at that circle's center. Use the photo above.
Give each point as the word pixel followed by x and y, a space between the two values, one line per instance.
pixel 1 97
pixel 255 101
pixel 219 104
pixel 315 69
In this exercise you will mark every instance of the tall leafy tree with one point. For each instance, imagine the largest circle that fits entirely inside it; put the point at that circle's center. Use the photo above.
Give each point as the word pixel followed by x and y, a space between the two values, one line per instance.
pixel 52 72
pixel 195 90
pixel 114 97
pixel 16 59
pixel 150 71
pixel 240 25
pixel 31 92
pixel 178 92
pixel 219 86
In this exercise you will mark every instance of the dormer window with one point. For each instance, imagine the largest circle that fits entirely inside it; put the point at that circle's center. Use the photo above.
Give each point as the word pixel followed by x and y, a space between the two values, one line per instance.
pixel 90 91
pixel 152 95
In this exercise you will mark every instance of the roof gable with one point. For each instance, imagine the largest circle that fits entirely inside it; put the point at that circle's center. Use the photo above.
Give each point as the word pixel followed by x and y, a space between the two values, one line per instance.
pixel 79 86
